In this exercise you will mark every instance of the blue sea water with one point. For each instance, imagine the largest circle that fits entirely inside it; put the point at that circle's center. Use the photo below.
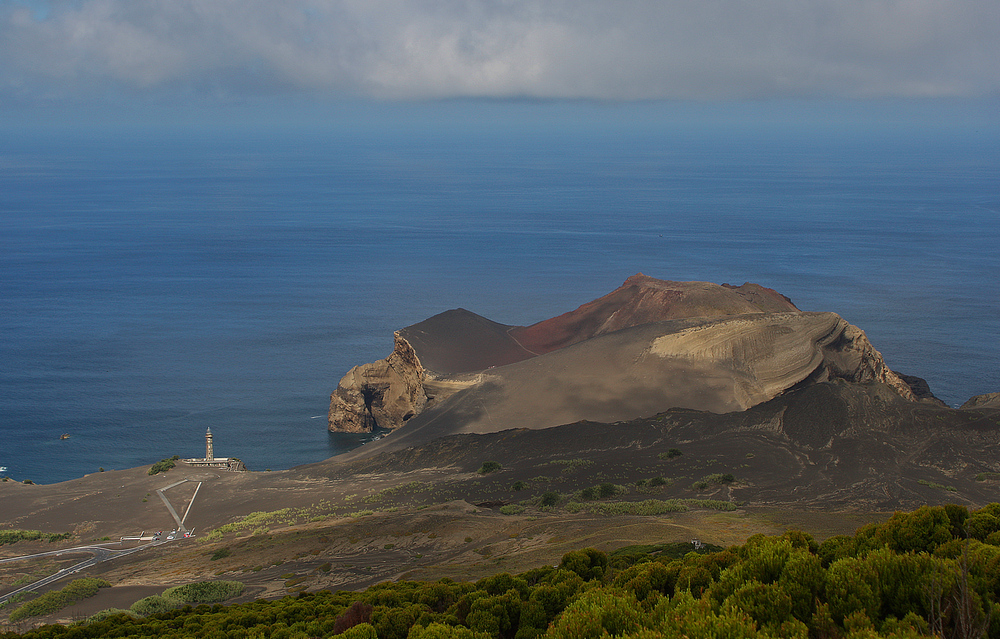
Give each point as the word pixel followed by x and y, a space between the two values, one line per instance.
pixel 152 286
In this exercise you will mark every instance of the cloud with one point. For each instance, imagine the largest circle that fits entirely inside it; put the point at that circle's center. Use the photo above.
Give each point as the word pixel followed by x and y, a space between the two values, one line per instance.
pixel 632 49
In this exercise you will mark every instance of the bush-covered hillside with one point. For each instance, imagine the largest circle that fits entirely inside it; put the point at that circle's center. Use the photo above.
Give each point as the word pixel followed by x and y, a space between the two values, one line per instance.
pixel 931 572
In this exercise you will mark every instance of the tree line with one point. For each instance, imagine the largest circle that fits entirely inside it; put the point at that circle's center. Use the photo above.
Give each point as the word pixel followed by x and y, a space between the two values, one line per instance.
pixel 933 572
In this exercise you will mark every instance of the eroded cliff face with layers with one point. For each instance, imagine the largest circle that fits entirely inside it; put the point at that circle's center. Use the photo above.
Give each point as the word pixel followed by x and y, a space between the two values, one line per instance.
pixel 383 394
pixel 648 346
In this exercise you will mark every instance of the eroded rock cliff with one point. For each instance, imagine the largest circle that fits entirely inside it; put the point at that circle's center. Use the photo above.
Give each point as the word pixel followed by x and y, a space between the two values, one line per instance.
pixel 989 400
pixel 383 394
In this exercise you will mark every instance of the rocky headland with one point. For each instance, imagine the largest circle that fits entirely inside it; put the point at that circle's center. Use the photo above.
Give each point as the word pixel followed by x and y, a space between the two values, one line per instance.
pixel 648 346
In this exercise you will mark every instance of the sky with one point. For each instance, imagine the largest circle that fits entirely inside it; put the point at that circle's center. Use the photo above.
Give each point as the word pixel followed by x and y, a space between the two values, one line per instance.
pixel 61 56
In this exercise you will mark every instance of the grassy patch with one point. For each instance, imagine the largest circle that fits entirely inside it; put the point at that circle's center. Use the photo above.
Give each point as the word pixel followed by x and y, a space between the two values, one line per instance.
pixel 259 522
pixel 205 591
pixel 202 592
pixel 720 478
pixel 710 504
pixel 56 600
pixel 385 494
pixel 647 507
pixel 14 536
pixel 511 509
pixel 569 465
pixel 930 484
pixel 221 553
pixel 716 479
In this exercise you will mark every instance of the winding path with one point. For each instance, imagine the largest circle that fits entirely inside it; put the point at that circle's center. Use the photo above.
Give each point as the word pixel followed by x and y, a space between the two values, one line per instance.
pixel 100 552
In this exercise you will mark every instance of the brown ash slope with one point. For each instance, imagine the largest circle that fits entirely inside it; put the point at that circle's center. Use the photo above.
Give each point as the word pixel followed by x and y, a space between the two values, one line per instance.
pixel 831 445
pixel 648 346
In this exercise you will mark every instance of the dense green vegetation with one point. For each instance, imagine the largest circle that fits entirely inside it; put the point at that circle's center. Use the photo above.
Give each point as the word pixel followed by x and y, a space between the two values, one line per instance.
pixel 56 600
pixel 202 592
pixel 932 572
pixel 14 536
pixel 163 465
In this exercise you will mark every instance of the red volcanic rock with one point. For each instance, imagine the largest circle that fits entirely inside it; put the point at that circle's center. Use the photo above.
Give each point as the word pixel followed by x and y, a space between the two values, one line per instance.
pixel 643 299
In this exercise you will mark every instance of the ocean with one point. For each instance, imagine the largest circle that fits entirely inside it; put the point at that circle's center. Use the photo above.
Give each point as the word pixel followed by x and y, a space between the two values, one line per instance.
pixel 158 284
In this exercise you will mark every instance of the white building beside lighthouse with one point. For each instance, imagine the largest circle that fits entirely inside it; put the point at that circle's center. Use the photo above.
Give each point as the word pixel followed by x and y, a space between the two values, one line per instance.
pixel 211 461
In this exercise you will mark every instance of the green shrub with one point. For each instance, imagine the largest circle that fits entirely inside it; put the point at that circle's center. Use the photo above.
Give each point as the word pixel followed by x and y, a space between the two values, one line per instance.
pixel 489 467
pixel 193 593
pixel 670 454
pixel 657 481
pixel 599 614
pixel 511 509
pixel 930 484
pixel 14 536
pixel 155 604
pixel 519 485
pixel 589 563
pixel 360 631
pixel 205 591
pixel 101 615
pixel 436 630
pixel 550 498
pixel 221 553
pixel 163 465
